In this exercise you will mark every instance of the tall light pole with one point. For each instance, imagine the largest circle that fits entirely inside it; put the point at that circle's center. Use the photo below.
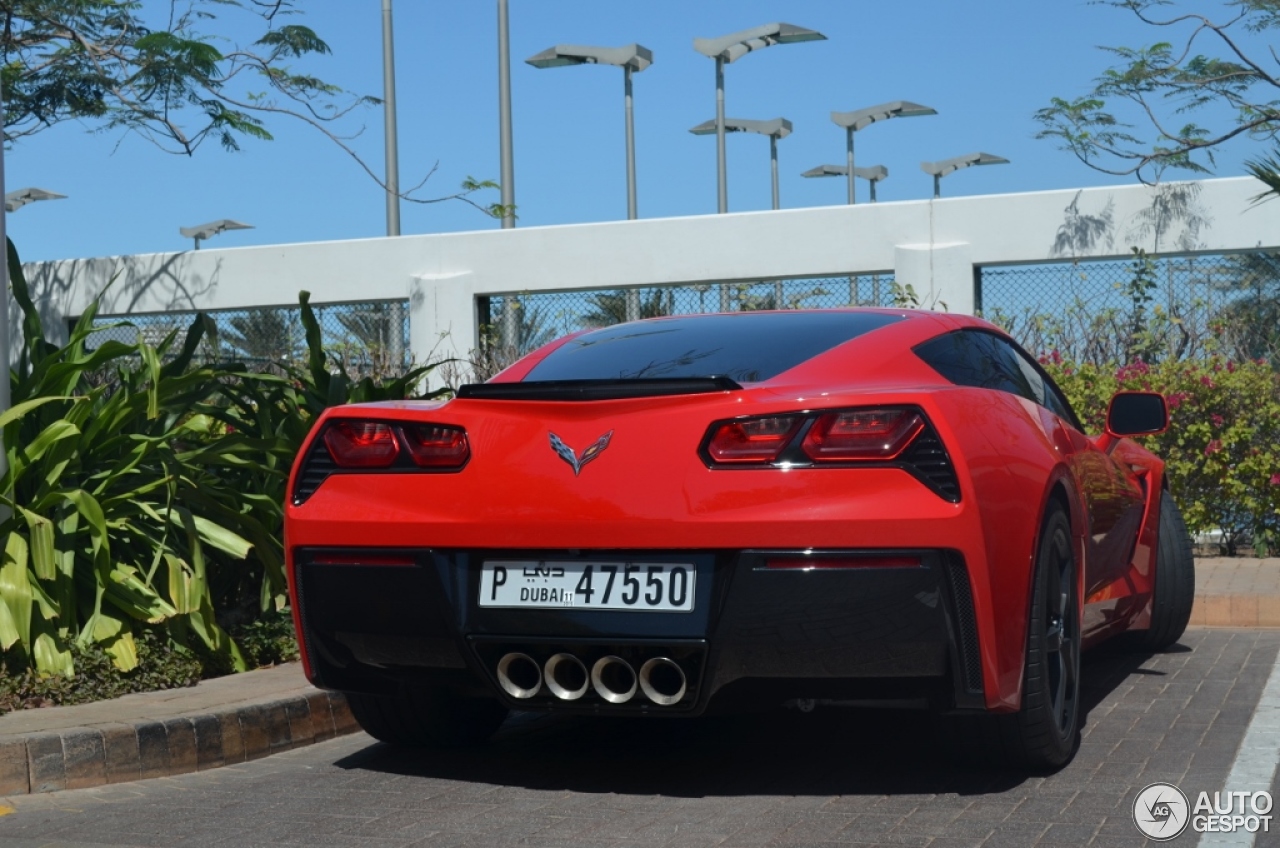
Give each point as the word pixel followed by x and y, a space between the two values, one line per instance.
pixel 873 174
pixel 630 58
pixel 730 48
pixel 4 314
pixel 200 232
pixel 861 118
pixel 947 166
pixel 389 121
pixel 508 168
pixel 775 129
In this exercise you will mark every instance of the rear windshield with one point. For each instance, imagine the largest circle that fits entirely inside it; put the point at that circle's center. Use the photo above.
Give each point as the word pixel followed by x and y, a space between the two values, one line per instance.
pixel 747 347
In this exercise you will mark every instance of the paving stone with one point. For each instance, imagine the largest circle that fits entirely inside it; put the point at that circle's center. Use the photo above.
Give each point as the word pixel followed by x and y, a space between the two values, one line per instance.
pixel 276 722
pixel 84 757
pixel 321 713
pixel 182 745
pixel 44 759
pixel 298 713
pixel 208 730
pixel 253 733
pixel 232 738
pixel 153 749
pixel 120 752
pixel 15 772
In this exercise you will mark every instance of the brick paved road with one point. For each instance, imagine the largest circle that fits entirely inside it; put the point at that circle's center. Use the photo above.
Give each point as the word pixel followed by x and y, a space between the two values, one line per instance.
pixel 835 777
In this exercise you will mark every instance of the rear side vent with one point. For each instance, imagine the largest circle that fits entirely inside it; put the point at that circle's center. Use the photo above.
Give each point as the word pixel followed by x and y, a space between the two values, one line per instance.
pixel 315 470
pixel 929 460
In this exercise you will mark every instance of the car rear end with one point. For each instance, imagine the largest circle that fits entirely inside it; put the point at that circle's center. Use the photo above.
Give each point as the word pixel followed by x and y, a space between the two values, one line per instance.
pixel 642 545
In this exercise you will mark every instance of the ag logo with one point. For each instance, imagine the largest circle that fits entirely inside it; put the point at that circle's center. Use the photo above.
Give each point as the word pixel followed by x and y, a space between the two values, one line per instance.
pixel 1161 812
pixel 576 461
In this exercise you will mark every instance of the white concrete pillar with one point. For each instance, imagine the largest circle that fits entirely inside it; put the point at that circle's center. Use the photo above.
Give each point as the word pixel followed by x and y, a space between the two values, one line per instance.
pixel 941 274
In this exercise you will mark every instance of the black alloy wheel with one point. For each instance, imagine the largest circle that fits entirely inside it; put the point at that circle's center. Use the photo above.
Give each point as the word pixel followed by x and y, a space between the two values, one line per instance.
pixel 1044 734
pixel 1061 628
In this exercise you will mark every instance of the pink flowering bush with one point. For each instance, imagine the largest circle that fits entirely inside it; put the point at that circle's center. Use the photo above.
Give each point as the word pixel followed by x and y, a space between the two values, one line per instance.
pixel 1222 452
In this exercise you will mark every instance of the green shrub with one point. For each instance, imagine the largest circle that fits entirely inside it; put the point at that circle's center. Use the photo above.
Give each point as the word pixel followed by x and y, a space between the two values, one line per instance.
pixel 1222 452
pixel 144 492
pixel 160 666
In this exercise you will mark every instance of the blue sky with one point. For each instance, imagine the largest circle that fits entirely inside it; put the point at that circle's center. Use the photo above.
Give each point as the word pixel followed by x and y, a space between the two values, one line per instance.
pixel 985 67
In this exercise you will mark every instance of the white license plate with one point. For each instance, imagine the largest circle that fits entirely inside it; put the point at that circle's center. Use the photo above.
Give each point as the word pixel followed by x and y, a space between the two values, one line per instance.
pixel 634 586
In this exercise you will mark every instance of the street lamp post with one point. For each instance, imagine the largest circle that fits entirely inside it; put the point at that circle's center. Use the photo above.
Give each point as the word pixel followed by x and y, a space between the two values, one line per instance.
pixel 775 129
pixel 946 166
pixel 389 122
pixel 873 174
pixel 861 118
pixel 630 58
pixel 730 48
pixel 508 168
pixel 4 313
pixel 15 200
pixel 201 232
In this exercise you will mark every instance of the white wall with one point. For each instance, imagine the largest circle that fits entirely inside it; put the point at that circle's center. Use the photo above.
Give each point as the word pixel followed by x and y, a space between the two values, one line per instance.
pixel 933 245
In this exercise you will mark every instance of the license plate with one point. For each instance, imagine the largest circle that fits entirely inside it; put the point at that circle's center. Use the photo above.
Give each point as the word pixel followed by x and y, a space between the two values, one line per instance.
pixel 633 586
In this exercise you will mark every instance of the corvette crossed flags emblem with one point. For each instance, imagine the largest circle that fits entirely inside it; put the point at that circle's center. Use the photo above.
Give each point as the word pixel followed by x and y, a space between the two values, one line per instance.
pixel 576 461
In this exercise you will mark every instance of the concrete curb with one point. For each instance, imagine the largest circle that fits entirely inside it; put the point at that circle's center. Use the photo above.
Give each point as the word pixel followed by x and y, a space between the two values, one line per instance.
pixel 81 757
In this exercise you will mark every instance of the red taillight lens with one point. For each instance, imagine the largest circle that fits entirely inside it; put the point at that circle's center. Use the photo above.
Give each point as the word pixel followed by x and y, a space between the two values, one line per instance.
pixel 361 444
pixel 805 563
pixel 866 434
pixel 436 446
pixel 758 440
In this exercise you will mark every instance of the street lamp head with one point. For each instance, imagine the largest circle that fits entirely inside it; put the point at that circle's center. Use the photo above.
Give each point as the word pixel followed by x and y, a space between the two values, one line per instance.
pixel 633 56
pixel 947 166
pixel 860 118
pixel 874 174
pixel 211 229
pixel 733 47
pixel 15 200
pixel 777 128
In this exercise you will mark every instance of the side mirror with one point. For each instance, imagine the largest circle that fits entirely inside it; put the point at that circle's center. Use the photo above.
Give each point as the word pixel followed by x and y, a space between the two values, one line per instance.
pixel 1137 414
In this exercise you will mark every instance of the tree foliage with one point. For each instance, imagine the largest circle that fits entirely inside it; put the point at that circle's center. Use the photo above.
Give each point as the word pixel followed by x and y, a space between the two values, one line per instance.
pixel 170 73
pixel 1173 103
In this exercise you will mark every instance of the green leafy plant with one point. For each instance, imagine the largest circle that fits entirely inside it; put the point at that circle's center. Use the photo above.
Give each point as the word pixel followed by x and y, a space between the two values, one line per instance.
pixel 144 490
pixel 1222 452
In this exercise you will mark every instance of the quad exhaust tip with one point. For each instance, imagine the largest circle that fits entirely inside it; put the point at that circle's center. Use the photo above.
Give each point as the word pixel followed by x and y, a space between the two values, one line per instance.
pixel 663 681
pixel 566 677
pixel 519 675
pixel 614 679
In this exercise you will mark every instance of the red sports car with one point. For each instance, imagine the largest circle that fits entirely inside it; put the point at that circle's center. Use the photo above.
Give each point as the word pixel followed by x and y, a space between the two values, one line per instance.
pixel 698 512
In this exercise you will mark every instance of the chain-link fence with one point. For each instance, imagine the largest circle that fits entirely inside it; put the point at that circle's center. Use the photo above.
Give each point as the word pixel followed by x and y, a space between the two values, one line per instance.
pixel 370 337
pixel 1145 307
pixel 515 324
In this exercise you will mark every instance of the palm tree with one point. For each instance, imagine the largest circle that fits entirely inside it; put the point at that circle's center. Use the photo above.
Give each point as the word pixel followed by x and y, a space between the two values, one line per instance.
pixel 263 337
pixel 610 308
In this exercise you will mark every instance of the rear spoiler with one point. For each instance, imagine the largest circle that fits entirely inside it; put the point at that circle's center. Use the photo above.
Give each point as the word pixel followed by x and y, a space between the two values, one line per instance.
pixel 596 389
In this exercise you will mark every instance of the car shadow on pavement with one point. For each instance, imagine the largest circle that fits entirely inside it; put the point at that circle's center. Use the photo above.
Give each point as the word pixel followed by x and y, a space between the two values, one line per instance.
pixel 833 750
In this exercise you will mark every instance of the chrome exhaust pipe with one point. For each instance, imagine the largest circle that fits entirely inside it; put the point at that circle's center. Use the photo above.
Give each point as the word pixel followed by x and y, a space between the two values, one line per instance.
pixel 519 675
pixel 566 677
pixel 613 679
pixel 663 681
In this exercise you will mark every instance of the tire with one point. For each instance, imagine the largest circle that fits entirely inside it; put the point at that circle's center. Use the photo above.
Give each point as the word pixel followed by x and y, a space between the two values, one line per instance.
pixel 1175 589
pixel 426 717
pixel 1045 733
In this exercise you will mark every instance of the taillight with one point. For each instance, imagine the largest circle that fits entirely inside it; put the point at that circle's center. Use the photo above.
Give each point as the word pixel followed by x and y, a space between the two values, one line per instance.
pixel 361 444
pixel 757 440
pixel 861 434
pixel 436 446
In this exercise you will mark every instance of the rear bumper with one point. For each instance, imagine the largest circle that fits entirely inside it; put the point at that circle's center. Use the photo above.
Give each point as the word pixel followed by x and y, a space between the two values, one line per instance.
pixel 851 632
